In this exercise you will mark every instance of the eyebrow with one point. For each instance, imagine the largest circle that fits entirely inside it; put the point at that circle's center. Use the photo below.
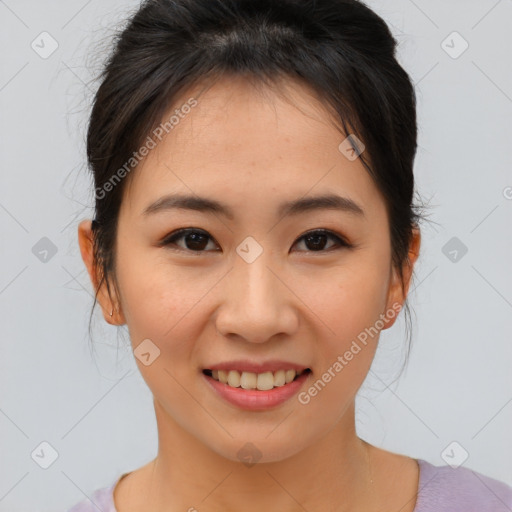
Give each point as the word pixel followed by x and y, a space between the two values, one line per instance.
pixel 296 207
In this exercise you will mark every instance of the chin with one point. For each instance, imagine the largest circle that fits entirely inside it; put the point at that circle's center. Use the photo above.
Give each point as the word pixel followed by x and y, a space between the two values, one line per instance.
pixel 251 450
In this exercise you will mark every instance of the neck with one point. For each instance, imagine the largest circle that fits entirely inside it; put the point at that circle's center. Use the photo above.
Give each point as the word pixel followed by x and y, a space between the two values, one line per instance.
pixel 188 475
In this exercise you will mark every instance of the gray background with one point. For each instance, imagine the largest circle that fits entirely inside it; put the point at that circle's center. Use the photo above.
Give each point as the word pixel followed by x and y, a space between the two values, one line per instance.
pixel 96 411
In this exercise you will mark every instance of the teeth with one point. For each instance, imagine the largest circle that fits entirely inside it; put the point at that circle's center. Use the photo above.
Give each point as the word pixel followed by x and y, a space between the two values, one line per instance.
pixel 248 380
pixel 280 378
pixel 234 379
pixel 290 375
pixel 265 381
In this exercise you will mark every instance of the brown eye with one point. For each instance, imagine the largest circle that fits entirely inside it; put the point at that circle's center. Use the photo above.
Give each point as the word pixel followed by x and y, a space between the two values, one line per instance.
pixel 316 241
pixel 194 239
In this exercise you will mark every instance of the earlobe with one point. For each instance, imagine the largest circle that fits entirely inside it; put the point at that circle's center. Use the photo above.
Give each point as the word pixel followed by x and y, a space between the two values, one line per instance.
pixel 397 293
pixel 414 252
pixel 86 244
pixel 395 299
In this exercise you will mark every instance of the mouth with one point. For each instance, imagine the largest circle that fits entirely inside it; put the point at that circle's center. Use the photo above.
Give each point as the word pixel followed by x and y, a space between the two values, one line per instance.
pixel 264 381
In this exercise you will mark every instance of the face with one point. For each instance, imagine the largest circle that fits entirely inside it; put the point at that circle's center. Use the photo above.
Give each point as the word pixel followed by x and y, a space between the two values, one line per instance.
pixel 308 286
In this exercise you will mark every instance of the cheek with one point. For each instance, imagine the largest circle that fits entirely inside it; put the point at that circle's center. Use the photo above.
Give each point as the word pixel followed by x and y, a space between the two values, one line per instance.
pixel 157 297
pixel 161 304
pixel 352 296
pixel 349 300
pixel 349 307
pixel 155 292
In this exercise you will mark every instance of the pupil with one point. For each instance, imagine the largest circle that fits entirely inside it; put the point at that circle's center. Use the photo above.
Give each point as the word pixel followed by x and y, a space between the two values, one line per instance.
pixel 316 242
pixel 197 243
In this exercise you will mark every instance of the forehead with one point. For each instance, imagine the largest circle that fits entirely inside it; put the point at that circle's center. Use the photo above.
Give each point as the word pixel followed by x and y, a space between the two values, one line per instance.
pixel 250 144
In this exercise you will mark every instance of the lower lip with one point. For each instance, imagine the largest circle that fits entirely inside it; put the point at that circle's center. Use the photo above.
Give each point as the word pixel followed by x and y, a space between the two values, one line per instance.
pixel 253 399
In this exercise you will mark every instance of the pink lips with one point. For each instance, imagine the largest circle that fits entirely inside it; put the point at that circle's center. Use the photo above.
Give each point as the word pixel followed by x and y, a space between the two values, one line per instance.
pixel 253 399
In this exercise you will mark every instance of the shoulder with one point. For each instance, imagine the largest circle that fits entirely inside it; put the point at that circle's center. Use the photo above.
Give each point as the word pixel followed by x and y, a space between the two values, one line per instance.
pixel 447 489
pixel 101 499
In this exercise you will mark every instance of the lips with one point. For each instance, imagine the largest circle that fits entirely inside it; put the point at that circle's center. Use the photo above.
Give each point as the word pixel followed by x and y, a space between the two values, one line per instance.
pixel 255 392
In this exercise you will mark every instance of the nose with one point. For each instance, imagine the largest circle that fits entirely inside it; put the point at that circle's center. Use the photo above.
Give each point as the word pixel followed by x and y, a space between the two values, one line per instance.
pixel 256 303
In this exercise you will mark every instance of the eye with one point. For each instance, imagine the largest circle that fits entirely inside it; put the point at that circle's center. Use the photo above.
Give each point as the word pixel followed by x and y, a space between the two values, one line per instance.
pixel 316 240
pixel 196 240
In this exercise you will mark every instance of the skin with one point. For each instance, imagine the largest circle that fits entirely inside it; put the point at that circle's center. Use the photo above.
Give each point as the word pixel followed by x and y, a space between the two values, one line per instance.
pixel 253 152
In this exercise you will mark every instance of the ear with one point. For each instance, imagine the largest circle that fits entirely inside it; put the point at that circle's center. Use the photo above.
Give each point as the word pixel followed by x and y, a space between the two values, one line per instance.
pixel 85 241
pixel 396 295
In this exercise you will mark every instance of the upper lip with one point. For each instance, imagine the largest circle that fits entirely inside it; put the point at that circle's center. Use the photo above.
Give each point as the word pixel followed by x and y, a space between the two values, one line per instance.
pixel 255 367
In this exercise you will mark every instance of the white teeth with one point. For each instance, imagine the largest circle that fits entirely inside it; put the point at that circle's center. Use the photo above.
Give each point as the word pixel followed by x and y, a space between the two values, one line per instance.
pixel 249 380
pixel 290 375
pixel 234 379
pixel 265 381
pixel 279 378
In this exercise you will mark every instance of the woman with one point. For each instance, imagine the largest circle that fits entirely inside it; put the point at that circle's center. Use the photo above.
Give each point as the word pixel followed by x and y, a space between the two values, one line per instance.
pixel 255 230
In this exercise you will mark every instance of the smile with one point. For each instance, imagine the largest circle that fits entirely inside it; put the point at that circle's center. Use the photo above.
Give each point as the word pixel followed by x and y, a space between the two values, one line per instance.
pixel 249 380
pixel 256 391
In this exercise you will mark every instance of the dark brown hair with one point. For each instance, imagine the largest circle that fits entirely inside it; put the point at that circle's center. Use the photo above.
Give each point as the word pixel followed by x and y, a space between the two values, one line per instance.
pixel 340 49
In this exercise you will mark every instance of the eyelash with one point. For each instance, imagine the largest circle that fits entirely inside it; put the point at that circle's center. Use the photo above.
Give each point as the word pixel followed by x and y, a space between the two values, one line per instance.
pixel 181 233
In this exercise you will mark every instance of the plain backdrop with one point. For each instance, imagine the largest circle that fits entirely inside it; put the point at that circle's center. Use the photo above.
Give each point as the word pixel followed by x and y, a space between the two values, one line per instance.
pixel 95 411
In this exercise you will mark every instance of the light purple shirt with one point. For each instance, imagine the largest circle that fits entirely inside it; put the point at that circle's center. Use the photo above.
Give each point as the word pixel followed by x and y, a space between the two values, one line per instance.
pixel 440 489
